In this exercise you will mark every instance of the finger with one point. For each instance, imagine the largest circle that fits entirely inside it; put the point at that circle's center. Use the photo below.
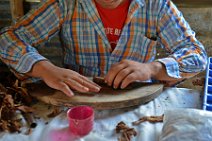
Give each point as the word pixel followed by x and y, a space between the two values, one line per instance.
pixel 121 76
pixel 76 85
pixel 92 87
pixel 91 82
pixel 115 69
pixel 129 79
pixel 65 89
pixel 85 81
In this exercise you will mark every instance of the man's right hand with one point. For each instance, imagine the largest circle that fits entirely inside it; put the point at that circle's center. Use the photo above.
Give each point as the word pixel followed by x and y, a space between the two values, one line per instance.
pixel 62 79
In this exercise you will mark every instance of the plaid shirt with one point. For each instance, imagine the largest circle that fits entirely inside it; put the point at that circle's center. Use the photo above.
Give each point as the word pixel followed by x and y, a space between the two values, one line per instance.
pixel 85 45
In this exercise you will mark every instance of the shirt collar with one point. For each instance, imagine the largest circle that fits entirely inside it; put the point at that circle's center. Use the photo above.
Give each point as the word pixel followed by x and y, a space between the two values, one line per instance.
pixel 140 2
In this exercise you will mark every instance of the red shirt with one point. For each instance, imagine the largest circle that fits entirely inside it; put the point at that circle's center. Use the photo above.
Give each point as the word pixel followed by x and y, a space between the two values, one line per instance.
pixel 113 21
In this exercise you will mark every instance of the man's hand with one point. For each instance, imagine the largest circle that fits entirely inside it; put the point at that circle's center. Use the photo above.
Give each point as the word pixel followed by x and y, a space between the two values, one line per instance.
pixel 125 72
pixel 62 79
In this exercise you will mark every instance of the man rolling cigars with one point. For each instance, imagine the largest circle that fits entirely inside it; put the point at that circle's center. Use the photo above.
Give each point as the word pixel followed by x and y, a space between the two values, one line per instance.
pixel 116 39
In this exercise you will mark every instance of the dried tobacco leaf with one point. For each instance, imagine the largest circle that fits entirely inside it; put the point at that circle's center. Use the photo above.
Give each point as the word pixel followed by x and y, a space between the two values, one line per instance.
pixel 3 90
pixel 152 119
pixel 126 132
pixel 3 125
pixel 56 111
pixel 25 109
pixel 15 126
pixel 13 98
pixel 8 101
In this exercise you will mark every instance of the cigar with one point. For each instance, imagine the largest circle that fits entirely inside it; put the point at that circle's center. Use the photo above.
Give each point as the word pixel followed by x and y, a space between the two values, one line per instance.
pixel 100 81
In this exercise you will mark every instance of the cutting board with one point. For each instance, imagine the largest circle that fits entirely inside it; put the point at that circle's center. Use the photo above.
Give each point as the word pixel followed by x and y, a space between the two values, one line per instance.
pixel 107 98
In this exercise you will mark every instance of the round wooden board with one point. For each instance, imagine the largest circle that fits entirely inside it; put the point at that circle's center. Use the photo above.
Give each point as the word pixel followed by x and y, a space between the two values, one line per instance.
pixel 108 98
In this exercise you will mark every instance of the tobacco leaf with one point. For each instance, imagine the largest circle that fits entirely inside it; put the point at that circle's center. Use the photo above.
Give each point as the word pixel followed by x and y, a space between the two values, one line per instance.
pixel 56 111
pixel 152 119
pixel 13 98
pixel 8 100
pixel 25 109
pixel 126 131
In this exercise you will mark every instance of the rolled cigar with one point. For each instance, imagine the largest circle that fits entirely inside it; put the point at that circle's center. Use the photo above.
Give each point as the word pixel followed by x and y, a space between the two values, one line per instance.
pixel 100 81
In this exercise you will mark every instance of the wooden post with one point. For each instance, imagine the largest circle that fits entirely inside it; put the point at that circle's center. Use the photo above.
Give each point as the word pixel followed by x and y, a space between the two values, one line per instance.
pixel 17 10
pixel 33 0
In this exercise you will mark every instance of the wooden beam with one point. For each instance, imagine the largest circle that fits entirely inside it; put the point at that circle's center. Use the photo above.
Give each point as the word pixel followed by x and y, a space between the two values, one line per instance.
pixel 17 10
pixel 33 0
pixel 193 3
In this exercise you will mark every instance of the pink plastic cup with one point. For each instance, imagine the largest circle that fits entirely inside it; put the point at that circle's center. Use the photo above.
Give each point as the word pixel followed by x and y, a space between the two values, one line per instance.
pixel 81 120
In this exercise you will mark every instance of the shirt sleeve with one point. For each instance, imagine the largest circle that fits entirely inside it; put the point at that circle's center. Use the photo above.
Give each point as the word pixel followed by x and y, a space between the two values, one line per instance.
pixel 17 42
pixel 186 53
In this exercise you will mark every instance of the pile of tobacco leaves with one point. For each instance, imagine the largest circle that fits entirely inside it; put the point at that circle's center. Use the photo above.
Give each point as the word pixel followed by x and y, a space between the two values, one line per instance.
pixel 14 103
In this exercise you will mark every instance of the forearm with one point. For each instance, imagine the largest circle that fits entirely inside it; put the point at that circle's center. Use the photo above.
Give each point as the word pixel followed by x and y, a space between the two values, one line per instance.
pixel 17 42
pixel 187 55
pixel 40 68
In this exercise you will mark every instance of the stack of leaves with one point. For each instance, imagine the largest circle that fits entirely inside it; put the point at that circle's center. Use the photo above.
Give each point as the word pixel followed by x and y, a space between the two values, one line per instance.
pixel 14 101
pixel 126 132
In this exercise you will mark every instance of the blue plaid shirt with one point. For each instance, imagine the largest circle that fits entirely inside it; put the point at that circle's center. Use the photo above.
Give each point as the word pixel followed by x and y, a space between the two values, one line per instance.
pixel 85 44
